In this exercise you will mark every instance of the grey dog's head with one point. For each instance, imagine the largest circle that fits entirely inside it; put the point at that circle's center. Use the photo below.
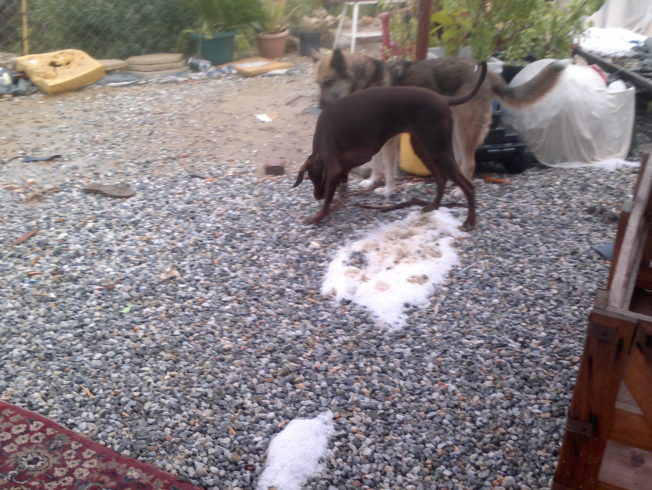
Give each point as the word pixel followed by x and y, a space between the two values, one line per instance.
pixel 333 76
pixel 313 165
pixel 340 74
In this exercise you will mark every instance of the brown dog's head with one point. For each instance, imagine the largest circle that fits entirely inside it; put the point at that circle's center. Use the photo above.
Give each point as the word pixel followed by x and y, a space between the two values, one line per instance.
pixel 324 178
pixel 313 165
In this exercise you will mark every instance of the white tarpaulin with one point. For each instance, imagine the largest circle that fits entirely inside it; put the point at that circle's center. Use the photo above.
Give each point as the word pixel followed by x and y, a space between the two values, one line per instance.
pixel 635 15
pixel 580 120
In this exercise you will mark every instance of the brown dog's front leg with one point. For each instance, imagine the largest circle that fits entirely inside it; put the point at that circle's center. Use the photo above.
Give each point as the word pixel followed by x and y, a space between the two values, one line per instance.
pixel 323 212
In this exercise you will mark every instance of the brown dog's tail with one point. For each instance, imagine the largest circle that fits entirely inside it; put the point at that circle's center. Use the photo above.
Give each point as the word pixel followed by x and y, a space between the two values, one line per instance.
pixel 461 99
pixel 531 91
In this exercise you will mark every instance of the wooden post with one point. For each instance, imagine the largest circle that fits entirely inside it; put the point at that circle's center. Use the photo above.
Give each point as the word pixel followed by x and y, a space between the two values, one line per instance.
pixel 590 418
pixel 23 13
pixel 423 32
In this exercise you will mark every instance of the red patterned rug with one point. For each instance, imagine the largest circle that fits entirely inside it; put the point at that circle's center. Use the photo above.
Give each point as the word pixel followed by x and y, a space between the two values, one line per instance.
pixel 36 453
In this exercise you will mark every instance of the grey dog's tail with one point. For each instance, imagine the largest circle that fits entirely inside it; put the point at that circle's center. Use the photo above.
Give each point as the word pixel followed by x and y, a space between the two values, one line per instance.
pixel 461 99
pixel 531 91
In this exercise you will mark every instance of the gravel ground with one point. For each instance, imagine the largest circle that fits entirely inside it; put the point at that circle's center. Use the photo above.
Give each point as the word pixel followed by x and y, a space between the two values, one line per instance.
pixel 196 373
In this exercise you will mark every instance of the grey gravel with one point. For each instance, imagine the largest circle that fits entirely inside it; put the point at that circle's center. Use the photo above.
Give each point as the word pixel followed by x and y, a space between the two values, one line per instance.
pixel 195 373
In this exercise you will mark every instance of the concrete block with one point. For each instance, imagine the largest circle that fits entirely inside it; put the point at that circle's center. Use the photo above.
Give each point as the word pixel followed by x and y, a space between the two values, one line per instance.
pixel 61 71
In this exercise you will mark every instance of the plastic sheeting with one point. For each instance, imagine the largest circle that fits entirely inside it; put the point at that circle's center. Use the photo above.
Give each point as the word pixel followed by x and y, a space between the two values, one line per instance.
pixel 635 15
pixel 580 120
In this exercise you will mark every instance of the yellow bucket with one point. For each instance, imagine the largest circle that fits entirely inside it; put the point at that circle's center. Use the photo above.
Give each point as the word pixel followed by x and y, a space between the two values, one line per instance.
pixel 408 160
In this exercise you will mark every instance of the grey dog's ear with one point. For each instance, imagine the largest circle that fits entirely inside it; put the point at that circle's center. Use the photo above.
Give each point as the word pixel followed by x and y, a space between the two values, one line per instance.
pixel 338 63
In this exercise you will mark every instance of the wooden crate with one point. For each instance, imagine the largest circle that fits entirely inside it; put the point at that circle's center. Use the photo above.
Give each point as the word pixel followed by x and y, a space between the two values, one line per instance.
pixel 608 438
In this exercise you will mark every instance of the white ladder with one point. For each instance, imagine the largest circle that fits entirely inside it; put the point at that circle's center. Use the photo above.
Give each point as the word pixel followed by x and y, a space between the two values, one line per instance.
pixel 354 23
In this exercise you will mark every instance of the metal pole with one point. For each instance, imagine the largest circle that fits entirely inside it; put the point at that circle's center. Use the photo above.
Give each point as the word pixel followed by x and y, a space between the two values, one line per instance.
pixel 628 75
pixel 423 32
pixel 23 12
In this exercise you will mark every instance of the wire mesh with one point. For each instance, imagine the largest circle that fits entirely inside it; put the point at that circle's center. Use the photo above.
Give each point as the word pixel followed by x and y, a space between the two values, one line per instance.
pixel 102 28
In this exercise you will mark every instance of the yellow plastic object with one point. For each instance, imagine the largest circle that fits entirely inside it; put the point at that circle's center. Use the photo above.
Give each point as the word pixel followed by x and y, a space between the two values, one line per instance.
pixel 408 160
pixel 60 71
pixel 249 67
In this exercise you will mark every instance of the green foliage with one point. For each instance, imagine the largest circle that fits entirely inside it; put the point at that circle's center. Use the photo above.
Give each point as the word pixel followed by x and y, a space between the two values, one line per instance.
pixel 551 32
pixel 452 28
pixel 274 16
pixel 515 28
pixel 223 15
pixel 403 25
pixel 115 29
pixel 10 26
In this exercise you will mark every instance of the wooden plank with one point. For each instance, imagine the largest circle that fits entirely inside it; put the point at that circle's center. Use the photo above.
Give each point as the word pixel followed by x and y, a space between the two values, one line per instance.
pixel 626 467
pixel 625 400
pixel 633 240
pixel 638 377
pixel 644 280
pixel 632 430
pixel 642 303
pixel 607 486
pixel 590 417
pixel 620 233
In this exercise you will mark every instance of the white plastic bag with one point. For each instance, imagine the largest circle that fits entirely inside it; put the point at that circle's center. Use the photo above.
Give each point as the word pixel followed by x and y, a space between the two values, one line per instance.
pixel 580 120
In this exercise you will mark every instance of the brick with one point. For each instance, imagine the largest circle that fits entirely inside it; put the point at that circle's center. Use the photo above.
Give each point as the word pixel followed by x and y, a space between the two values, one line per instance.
pixel 275 166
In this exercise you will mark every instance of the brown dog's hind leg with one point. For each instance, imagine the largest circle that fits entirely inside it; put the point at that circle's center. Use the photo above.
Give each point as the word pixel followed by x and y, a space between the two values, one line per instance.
pixel 469 192
pixel 440 181
pixel 439 158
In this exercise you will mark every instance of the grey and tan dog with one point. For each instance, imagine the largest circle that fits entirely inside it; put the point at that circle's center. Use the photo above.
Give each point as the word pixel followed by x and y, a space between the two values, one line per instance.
pixel 340 74
pixel 351 129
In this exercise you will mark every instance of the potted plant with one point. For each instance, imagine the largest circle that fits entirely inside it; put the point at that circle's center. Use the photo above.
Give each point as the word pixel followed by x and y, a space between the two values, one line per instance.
pixel 217 21
pixel 273 28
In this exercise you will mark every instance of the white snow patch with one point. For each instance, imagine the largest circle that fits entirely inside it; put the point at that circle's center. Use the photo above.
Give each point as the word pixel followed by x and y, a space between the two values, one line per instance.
pixel 395 265
pixel 294 454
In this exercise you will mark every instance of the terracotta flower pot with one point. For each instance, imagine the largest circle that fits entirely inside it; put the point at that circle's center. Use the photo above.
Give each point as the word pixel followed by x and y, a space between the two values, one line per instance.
pixel 272 45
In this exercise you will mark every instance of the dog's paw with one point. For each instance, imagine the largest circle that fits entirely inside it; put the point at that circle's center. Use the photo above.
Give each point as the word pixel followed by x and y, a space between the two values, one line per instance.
pixel 466 226
pixel 384 191
pixel 367 183
pixel 313 220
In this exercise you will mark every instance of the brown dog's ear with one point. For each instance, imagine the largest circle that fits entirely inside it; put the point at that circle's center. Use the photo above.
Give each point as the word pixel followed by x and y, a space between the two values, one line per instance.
pixel 302 171
pixel 338 63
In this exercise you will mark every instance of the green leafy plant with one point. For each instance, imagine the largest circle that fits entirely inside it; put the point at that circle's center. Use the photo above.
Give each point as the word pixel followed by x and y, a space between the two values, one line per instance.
pixel 551 32
pixel 214 16
pixel 275 16
pixel 515 28
pixel 403 34
pixel 452 28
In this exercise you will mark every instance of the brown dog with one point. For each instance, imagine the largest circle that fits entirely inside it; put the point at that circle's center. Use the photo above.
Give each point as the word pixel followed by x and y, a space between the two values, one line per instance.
pixel 339 74
pixel 350 130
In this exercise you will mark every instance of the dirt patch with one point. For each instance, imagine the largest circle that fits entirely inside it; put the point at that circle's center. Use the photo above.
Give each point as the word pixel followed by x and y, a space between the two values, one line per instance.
pixel 110 130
